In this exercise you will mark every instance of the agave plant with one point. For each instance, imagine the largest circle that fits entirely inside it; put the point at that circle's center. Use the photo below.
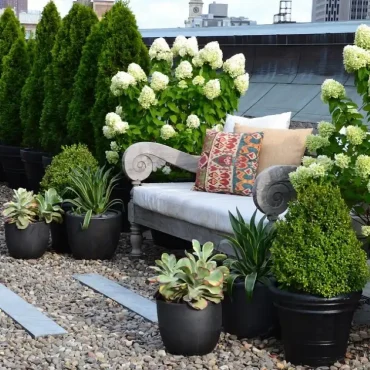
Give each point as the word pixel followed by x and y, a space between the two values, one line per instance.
pixel 92 190
pixel 194 279
pixel 48 206
pixel 251 244
pixel 22 210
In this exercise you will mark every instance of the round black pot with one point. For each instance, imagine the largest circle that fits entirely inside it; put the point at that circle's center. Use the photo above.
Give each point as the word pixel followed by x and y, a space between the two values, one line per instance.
pixel 249 319
pixel 189 332
pixel 315 330
pixel 59 236
pixel 30 243
pixel 46 161
pixel 12 164
pixel 34 167
pixel 99 241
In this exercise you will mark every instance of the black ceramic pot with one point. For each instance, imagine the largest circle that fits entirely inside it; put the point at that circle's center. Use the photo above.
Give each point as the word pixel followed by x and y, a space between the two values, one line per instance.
pixel 30 243
pixel 314 330
pixel 46 161
pixel 189 332
pixel 99 241
pixel 13 167
pixel 249 319
pixel 34 167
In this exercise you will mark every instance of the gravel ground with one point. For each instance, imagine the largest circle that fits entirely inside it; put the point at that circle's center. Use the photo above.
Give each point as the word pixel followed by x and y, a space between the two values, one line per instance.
pixel 104 335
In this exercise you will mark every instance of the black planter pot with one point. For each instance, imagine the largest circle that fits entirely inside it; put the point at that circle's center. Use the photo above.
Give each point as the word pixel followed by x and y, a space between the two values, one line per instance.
pixel 46 161
pixel 189 332
pixel 249 319
pixel 99 241
pixel 34 167
pixel 315 330
pixel 59 236
pixel 13 167
pixel 30 243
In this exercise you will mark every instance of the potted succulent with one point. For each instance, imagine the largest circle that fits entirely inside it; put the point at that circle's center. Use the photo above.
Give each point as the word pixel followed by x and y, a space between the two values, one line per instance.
pixel 189 300
pixel 248 310
pixel 93 224
pixel 320 270
pixel 27 222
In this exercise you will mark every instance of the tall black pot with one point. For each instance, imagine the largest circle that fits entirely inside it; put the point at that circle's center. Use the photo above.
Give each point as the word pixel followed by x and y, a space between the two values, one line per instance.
pixel 46 161
pixel 30 243
pixel 249 319
pixel 99 241
pixel 34 168
pixel 12 164
pixel 59 235
pixel 315 330
pixel 189 332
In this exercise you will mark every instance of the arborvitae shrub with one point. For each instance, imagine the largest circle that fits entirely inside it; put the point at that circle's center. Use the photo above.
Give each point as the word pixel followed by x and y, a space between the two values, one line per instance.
pixel 33 90
pixel 31 50
pixel 123 45
pixel 80 129
pixel 316 250
pixel 15 72
pixel 59 79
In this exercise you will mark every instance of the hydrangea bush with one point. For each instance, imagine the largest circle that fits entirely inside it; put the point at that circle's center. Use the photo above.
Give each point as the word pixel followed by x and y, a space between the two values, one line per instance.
pixel 187 92
pixel 340 152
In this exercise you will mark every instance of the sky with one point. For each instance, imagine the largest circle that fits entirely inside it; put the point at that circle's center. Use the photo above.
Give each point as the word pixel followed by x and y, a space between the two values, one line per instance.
pixel 172 13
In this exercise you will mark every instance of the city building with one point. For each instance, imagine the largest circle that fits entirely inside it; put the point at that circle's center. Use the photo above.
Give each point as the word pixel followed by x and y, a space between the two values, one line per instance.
pixel 100 6
pixel 340 10
pixel 29 21
pixel 217 16
pixel 19 6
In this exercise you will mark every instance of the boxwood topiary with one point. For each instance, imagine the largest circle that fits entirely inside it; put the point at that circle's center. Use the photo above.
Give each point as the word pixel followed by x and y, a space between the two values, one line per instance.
pixel 316 250
pixel 57 174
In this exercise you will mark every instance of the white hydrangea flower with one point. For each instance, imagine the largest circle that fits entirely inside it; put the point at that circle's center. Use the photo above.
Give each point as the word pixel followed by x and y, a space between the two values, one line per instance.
pixel 332 89
pixel 326 129
pixel 368 186
pixel 307 161
pixel 365 230
pixel 147 97
pixel 159 81
pixel 108 132
pixel 114 146
pixel 362 37
pixel 317 170
pixel 242 83
pixel 199 81
pixel 362 166
pixel 219 127
pixel 325 161
pixel 193 121
pixel 119 110
pixel 192 47
pixel 120 127
pixel 314 142
pixel 111 118
pixel 137 72
pixel 342 160
pixel 179 46
pixel 197 61
pixel 167 131
pixel 160 50
pixel 184 70
pixel 112 157
pixel 355 135
pixel 212 54
pixel 182 84
pixel 120 82
pixel 235 66
pixel 166 170
pixel 355 58
pixel 212 89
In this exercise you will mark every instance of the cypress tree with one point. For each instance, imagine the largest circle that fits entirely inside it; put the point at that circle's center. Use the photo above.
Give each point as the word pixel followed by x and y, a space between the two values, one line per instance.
pixel 10 31
pixel 15 71
pixel 31 50
pixel 123 45
pixel 80 129
pixel 33 90
pixel 66 55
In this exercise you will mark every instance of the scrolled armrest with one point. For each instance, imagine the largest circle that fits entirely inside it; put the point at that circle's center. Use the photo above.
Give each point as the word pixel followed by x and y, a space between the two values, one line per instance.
pixel 273 190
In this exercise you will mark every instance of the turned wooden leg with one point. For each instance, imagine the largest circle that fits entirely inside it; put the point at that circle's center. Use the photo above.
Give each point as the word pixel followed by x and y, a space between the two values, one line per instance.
pixel 136 239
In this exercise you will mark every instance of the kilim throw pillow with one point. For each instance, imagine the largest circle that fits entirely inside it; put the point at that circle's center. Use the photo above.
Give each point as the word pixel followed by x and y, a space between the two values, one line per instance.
pixel 228 163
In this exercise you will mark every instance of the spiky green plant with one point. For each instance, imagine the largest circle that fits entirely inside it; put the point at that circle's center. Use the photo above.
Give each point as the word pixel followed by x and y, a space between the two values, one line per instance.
pixel 92 190
pixel 251 244
pixel 49 206
pixel 194 279
pixel 22 210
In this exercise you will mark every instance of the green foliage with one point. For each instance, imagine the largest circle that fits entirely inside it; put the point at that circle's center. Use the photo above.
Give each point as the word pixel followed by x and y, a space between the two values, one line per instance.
pixel 10 31
pixel 92 190
pixel 123 45
pixel 57 174
pixel 49 206
pixel 79 121
pixel 31 50
pixel 22 210
pixel 195 279
pixel 33 90
pixel 66 54
pixel 316 250
pixel 15 72
pixel 251 244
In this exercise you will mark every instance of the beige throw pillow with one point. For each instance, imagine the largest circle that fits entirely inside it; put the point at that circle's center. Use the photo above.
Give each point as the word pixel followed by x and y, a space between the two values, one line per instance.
pixel 279 147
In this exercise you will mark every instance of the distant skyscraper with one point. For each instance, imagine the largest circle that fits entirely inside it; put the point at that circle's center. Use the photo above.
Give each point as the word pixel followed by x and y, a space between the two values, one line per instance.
pixel 19 6
pixel 100 6
pixel 340 10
